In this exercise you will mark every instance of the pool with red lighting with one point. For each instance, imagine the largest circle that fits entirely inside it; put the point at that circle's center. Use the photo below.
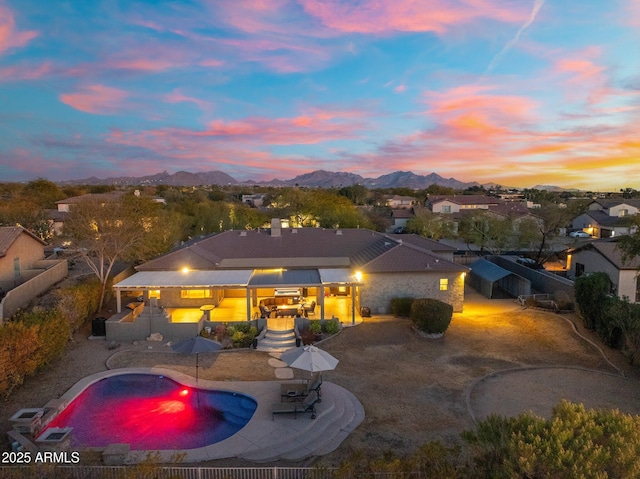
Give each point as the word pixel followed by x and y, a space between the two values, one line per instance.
pixel 153 412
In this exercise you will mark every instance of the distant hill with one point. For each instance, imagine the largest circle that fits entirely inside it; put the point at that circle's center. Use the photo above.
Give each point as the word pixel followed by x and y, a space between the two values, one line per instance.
pixel 319 178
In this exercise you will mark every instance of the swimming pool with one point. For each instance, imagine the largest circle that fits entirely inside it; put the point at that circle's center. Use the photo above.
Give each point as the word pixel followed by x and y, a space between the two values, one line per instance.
pixel 153 412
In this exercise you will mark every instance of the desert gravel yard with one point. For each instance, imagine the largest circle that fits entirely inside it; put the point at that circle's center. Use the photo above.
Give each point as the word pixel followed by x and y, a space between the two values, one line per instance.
pixel 413 389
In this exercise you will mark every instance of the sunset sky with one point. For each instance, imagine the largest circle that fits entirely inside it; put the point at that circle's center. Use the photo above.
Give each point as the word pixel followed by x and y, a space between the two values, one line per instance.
pixel 518 92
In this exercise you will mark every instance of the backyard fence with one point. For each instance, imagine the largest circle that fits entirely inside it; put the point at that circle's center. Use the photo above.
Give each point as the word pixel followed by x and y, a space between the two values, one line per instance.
pixel 159 472
pixel 152 471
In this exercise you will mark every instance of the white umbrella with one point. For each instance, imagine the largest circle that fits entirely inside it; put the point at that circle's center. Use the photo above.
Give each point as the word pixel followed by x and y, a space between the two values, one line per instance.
pixel 309 358
pixel 196 345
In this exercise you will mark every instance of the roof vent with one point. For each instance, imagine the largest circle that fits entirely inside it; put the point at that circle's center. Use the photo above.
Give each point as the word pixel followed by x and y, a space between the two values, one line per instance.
pixel 294 230
pixel 339 232
pixel 243 233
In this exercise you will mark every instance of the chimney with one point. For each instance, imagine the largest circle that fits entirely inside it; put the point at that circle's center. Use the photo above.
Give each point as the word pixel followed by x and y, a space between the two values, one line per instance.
pixel 276 229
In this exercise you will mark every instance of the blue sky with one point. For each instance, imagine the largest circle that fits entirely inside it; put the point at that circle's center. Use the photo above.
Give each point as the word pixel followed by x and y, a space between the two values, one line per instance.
pixel 521 93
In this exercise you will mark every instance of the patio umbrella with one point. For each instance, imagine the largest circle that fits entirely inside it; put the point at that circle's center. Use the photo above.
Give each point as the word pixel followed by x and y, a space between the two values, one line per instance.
pixel 309 358
pixel 196 345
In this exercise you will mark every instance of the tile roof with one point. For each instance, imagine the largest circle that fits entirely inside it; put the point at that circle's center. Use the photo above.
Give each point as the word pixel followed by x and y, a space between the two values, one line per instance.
pixel 9 234
pixel 111 196
pixel 406 259
pixel 610 250
pixel 318 247
pixel 465 199
pixel 422 242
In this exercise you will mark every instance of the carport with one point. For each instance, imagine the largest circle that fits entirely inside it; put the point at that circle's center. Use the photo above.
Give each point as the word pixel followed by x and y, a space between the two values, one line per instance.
pixel 495 282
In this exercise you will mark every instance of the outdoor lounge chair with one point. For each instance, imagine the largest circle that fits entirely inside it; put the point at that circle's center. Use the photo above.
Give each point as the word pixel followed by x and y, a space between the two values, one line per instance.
pixel 297 391
pixel 310 310
pixel 306 406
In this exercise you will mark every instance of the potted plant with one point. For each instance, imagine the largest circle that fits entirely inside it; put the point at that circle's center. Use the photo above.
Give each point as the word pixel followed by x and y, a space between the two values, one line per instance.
pixel 316 328
pixel 431 317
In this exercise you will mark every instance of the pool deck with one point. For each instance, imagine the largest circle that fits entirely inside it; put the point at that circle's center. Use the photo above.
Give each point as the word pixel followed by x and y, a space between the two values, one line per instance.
pixel 265 438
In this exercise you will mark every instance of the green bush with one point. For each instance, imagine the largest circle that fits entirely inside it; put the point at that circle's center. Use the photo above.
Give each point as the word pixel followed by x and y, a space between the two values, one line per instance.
pixel 592 298
pixel 242 334
pixel 401 307
pixel 430 315
pixel 315 327
pixel 331 327
pixel 574 443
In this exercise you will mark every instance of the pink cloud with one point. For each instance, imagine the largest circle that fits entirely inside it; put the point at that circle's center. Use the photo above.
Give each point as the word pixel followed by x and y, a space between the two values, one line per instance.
pixel 10 37
pixel 383 16
pixel 400 88
pixel 176 96
pixel 583 76
pixel 96 99
pixel 24 72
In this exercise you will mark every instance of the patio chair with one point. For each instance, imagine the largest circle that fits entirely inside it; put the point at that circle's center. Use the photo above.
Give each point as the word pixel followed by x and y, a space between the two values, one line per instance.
pixel 306 406
pixel 310 310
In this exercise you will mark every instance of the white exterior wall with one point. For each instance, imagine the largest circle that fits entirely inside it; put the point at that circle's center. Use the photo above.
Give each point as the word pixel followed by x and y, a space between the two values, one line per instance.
pixel 379 289
pixel 28 250
pixel 439 206
pixel 616 210
pixel 628 284
pixel 623 281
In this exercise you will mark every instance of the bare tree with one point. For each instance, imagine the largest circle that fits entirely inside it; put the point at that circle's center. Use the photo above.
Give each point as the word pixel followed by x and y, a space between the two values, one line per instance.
pixel 128 228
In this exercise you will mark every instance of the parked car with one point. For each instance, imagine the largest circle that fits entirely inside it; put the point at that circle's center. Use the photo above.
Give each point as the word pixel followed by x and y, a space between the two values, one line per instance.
pixel 529 263
pixel 579 234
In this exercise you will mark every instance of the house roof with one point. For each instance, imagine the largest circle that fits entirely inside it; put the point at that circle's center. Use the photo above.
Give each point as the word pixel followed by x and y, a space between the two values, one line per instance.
pixel 407 259
pixel 609 249
pixel 106 197
pixel 422 242
pixel 603 219
pixel 307 249
pixel 9 235
pixel 402 213
pixel 608 203
pixel 488 270
pixel 465 199
pixel 302 248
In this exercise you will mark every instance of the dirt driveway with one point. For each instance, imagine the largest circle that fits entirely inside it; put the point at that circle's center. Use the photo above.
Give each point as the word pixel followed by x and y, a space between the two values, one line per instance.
pixel 413 389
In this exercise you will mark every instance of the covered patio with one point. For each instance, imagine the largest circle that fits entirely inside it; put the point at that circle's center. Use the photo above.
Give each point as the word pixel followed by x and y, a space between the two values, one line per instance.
pixel 237 295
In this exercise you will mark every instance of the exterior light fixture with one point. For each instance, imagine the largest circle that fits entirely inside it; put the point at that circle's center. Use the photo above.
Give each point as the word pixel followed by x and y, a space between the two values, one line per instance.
pixel 185 270
pixel 358 276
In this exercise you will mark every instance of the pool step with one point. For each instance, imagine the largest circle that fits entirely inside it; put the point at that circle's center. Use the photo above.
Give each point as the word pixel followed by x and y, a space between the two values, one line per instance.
pixel 338 414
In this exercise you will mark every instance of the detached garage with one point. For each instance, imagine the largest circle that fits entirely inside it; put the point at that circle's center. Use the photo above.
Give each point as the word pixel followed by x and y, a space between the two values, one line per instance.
pixel 495 282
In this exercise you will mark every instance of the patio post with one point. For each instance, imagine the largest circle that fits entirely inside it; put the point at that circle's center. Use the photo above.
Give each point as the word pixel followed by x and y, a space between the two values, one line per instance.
pixel 118 301
pixel 248 304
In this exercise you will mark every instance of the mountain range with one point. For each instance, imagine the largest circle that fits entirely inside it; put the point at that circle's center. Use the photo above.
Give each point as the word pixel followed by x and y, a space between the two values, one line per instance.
pixel 319 178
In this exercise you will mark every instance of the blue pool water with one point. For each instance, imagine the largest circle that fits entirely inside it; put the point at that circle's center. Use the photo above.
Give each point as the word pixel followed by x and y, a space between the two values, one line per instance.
pixel 152 412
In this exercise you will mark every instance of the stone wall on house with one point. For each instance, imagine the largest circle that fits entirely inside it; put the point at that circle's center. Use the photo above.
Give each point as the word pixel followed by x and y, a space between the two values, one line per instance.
pixel 379 289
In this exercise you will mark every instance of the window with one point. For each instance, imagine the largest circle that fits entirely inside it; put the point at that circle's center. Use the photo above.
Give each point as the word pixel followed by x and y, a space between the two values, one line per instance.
pixel 579 269
pixel 444 284
pixel 196 293
pixel 446 209
pixel 154 293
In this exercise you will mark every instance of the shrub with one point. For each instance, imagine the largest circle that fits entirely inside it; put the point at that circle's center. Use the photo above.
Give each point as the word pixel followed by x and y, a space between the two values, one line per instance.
pixel 331 327
pixel 315 327
pixel 401 306
pixel 242 334
pixel 431 316
pixel 592 297
pixel 574 443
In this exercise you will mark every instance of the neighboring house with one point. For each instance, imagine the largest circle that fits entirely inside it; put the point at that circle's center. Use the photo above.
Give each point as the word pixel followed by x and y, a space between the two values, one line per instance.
pixel 56 220
pixel 360 267
pixel 19 250
pixel 397 201
pixel 599 224
pixel 607 218
pixel 255 200
pixel 65 205
pixel 604 256
pixel 400 218
pixel 24 273
pixel 455 203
